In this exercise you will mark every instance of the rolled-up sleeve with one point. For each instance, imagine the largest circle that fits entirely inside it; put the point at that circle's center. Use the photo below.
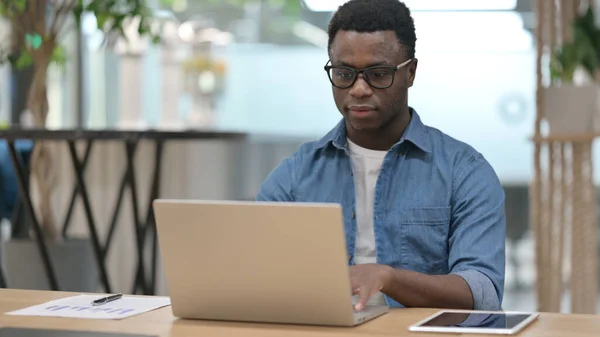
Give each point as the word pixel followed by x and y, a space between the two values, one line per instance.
pixel 484 293
pixel 477 236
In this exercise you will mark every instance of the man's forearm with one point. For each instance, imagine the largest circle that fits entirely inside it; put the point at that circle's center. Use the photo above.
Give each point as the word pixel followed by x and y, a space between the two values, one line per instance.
pixel 414 289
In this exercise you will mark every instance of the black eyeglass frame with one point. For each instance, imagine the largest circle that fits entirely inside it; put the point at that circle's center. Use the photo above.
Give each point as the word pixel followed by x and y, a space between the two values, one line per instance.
pixel 362 71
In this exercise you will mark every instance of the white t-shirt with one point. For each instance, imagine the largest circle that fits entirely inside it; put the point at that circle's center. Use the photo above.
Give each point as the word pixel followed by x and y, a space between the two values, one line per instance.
pixel 366 165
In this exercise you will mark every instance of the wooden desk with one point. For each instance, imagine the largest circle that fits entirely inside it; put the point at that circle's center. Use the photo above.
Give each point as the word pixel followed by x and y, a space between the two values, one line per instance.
pixel 162 323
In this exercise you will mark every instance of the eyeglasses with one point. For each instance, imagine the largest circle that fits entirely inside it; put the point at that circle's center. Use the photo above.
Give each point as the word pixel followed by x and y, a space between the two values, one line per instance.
pixel 379 77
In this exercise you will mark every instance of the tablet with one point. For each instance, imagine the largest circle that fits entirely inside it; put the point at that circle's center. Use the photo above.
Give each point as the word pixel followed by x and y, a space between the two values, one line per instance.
pixel 470 321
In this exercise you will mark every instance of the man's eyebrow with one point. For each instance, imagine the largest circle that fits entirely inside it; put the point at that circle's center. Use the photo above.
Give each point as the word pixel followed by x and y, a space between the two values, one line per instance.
pixel 372 64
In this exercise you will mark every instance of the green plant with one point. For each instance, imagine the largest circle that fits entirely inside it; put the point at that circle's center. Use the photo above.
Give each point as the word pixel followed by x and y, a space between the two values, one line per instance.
pixel 39 39
pixel 582 51
pixel 38 27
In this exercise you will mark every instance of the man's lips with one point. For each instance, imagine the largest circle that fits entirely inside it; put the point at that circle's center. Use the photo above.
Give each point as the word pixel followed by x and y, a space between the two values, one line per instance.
pixel 361 110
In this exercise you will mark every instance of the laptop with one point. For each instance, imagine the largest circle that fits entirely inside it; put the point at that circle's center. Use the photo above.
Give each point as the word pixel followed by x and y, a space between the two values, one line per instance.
pixel 257 262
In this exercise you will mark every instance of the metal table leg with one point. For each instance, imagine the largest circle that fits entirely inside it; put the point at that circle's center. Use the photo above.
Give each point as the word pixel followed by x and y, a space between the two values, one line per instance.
pixel 151 222
pixel 19 218
pixel 128 180
pixel 113 222
pixel 67 222
pixel 99 252
pixel 2 278
pixel 149 227
pixel 26 200
pixel 139 282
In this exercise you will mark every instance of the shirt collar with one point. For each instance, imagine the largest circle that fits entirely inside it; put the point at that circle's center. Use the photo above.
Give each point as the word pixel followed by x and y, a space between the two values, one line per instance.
pixel 416 133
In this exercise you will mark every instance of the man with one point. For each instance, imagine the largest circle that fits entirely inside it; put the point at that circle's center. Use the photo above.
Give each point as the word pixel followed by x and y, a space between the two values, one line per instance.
pixel 423 213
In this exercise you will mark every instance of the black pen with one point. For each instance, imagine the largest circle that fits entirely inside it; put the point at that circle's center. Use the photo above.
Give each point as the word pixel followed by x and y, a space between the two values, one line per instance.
pixel 105 300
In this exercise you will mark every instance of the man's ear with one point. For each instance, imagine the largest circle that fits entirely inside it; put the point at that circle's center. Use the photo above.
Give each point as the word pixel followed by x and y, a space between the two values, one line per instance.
pixel 412 72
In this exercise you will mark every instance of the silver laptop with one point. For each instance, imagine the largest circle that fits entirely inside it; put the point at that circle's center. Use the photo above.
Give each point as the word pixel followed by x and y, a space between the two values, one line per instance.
pixel 257 262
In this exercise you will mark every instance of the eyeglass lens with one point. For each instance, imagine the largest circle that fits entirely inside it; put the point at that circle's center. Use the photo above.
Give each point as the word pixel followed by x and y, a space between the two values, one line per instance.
pixel 376 77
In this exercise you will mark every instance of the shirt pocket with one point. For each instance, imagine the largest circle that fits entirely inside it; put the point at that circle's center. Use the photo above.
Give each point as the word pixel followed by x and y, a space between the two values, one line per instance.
pixel 424 238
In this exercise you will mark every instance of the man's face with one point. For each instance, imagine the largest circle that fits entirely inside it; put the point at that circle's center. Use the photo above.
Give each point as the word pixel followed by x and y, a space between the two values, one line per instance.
pixel 364 107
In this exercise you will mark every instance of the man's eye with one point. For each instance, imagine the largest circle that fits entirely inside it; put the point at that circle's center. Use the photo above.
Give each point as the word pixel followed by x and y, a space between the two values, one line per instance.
pixel 344 74
pixel 380 73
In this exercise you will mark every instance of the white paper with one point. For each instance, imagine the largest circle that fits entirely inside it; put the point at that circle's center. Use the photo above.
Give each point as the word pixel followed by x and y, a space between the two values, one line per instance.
pixel 81 307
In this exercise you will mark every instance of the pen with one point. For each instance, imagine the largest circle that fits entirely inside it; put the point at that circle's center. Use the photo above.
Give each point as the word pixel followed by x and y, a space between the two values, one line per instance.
pixel 107 299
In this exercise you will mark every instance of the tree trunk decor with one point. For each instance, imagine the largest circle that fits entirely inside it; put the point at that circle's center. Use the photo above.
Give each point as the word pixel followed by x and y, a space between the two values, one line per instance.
pixel 41 159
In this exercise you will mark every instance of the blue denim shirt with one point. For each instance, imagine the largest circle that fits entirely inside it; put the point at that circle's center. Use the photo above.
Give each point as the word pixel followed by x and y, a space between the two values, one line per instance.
pixel 438 208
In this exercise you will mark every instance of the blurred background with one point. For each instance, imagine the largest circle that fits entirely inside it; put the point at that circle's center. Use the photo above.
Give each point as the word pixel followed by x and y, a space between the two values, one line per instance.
pixel 256 67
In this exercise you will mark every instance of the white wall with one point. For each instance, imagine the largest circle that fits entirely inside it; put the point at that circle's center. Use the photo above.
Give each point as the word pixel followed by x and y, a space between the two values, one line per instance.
pixel 5 32
pixel 4 94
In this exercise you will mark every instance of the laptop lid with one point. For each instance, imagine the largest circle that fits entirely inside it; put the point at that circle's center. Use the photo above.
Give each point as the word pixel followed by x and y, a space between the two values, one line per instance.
pixel 255 261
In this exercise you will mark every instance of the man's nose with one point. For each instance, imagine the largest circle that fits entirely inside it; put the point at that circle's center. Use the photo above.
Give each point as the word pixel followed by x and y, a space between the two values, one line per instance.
pixel 361 88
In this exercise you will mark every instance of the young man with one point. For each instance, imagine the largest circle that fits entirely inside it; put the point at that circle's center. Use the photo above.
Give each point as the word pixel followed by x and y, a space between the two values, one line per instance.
pixel 423 213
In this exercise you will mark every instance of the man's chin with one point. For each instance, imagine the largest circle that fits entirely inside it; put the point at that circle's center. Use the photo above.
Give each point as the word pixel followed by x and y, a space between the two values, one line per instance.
pixel 363 125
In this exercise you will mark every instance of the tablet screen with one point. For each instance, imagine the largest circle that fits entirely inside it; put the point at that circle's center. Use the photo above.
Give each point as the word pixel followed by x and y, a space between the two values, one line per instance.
pixel 477 320
pixel 471 320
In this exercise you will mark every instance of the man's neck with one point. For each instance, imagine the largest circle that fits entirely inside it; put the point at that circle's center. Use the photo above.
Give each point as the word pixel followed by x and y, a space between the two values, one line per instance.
pixel 381 139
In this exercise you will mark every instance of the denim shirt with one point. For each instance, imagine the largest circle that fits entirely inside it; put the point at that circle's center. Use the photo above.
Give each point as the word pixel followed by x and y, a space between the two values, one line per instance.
pixel 438 205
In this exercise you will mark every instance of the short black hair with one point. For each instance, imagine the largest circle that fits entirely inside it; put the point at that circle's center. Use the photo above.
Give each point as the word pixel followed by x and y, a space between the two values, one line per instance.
pixel 368 16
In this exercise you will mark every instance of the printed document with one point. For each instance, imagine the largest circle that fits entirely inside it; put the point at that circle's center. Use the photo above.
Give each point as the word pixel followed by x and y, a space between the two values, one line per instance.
pixel 81 307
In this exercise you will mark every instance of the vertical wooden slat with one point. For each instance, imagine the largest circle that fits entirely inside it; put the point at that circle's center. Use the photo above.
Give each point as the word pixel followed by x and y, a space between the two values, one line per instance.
pixel 547 234
pixel 589 236
pixel 535 193
pixel 563 204
pixel 566 16
pixel 554 22
pixel 577 234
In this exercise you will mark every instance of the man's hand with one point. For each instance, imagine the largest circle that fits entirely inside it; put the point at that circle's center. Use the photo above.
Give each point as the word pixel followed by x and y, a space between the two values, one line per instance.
pixel 410 288
pixel 368 279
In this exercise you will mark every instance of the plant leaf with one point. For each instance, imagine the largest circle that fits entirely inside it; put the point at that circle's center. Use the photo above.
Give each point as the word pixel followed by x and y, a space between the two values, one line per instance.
pixel 24 60
pixel 583 51
pixel 33 41
pixel 21 5
pixel 59 56
pixel 293 8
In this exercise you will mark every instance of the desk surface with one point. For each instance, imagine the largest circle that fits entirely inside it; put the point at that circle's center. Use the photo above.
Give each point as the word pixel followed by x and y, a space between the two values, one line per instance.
pixel 162 323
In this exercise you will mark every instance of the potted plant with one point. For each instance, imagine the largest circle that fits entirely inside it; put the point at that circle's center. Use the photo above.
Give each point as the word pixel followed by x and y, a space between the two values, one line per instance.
pixel 204 81
pixel 572 101
pixel 38 28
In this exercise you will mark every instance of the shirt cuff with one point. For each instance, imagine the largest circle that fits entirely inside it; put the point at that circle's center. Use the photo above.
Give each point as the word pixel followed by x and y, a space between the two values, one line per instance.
pixel 483 290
